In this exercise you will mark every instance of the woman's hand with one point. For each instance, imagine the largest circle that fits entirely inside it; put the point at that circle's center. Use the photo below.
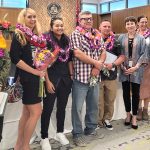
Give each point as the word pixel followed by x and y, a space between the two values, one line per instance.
pixel 130 70
pixel 50 87
pixel 39 73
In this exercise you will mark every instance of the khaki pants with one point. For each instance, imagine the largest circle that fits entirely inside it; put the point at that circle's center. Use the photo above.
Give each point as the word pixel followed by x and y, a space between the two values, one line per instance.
pixel 108 89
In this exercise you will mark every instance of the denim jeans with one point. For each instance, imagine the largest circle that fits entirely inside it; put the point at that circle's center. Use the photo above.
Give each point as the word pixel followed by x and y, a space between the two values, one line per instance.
pixel 82 92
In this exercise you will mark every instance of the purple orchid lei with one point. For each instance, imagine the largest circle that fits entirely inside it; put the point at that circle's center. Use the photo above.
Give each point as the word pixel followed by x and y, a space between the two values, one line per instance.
pixel 94 37
pixel 147 33
pixel 109 43
pixel 63 53
pixel 37 41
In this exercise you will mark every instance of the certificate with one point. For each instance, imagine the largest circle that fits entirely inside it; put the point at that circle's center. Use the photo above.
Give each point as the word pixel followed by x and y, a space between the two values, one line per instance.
pixel 110 58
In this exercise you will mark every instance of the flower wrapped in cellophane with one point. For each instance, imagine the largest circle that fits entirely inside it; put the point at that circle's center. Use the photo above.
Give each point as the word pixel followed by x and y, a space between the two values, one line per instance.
pixel 44 58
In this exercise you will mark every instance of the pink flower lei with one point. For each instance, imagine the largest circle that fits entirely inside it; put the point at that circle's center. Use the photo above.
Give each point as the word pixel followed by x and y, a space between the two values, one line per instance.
pixel 146 33
pixel 94 37
pixel 63 53
pixel 37 41
pixel 109 43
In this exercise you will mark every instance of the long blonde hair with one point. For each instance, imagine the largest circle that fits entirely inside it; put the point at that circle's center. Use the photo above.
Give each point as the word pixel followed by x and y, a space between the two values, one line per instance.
pixel 21 20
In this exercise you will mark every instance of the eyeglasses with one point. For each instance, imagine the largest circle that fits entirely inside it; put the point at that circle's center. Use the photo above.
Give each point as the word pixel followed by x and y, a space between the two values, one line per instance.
pixel 87 19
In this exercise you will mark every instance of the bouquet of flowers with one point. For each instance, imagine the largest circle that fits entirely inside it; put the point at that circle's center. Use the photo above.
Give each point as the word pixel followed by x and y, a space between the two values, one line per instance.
pixel 6 27
pixel 42 60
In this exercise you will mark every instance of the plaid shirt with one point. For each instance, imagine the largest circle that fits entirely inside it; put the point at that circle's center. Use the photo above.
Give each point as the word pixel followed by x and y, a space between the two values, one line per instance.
pixel 82 71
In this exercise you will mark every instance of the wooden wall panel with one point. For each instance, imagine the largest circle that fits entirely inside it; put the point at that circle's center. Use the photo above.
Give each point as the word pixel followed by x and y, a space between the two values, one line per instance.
pixel 68 13
pixel 95 21
pixel 118 17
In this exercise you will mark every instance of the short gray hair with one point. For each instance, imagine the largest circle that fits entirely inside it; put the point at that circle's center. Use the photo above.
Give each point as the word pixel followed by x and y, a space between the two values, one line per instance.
pixel 84 13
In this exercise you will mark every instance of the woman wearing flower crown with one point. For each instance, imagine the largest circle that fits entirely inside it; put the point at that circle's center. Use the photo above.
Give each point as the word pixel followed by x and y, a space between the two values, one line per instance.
pixel 58 83
pixel 131 72
pixel 22 54
pixel 145 86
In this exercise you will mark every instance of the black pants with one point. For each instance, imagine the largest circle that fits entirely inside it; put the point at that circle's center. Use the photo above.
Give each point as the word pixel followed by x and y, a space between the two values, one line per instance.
pixel 127 88
pixel 61 93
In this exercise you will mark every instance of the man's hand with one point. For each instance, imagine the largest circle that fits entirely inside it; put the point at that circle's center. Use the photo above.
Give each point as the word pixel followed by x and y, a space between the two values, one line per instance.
pixel 109 66
pixel 95 72
pixel 98 65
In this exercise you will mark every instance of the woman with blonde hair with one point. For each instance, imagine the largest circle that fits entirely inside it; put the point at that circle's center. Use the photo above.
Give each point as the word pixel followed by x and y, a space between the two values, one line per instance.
pixel 26 39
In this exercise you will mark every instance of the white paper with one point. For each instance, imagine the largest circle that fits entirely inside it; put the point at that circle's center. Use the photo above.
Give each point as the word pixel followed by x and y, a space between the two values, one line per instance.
pixel 110 58
pixel 3 100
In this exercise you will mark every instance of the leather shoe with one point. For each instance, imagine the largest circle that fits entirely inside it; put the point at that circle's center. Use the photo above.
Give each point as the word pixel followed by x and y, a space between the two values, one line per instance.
pixel 128 123
pixel 134 126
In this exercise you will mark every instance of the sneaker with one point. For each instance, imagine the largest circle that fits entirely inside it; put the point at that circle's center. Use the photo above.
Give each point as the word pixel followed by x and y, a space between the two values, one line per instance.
pixel 79 141
pixel 96 135
pixel 108 125
pixel 45 144
pixel 62 138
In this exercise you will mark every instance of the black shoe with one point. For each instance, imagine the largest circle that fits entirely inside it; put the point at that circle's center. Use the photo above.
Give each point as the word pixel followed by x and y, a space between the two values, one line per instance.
pixel 128 123
pixel 108 125
pixel 134 126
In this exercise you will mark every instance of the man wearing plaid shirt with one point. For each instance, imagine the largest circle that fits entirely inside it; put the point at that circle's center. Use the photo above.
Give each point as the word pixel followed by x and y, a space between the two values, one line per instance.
pixel 87 62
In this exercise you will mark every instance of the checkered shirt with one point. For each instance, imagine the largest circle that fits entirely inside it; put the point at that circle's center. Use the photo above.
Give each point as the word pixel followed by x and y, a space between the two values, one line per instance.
pixel 82 71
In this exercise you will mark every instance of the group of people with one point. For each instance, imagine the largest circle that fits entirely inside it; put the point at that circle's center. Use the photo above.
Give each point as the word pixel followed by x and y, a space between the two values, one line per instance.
pixel 80 70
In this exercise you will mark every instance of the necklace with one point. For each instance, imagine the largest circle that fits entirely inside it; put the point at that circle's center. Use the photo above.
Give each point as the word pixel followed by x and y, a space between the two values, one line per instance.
pixel 146 33
pixel 94 37
pixel 109 43
pixel 63 53
pixel 37 41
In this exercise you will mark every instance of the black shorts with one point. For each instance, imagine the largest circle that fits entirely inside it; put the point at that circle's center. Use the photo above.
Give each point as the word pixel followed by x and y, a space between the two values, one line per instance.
pixel 30 92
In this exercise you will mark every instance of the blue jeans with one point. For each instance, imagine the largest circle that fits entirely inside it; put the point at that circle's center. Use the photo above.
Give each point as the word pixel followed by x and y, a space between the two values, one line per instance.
pixel 81 92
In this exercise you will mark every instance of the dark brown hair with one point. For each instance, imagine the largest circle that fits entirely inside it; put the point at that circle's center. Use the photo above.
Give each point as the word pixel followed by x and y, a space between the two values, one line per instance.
pixel 53 20
pixel 130 18
pixel 140 17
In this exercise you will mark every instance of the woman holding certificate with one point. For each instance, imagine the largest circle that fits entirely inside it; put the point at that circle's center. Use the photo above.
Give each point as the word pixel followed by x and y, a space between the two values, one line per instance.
pixel 131 70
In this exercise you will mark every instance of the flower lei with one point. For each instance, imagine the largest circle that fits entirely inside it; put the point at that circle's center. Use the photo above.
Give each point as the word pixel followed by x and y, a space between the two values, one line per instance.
pixel 94 37
pixel 109 43
pixel 37 41
pixel 146 33
pixel 63 53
